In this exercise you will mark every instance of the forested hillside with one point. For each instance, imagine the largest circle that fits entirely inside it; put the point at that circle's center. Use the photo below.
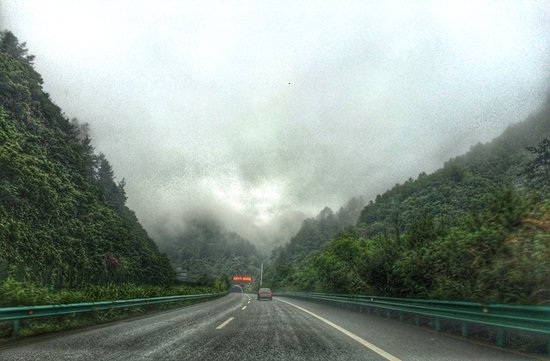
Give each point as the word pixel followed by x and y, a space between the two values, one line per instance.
pixel 63 218
pixel 205 250
pixel 463 182
pixel 311 237
pixel 476 229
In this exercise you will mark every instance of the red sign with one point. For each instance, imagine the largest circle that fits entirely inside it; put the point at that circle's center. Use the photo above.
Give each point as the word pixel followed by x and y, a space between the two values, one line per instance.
pixel 242 278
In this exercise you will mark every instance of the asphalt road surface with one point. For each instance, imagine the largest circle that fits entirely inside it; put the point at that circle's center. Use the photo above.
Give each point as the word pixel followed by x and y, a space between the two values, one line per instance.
pixel 238 327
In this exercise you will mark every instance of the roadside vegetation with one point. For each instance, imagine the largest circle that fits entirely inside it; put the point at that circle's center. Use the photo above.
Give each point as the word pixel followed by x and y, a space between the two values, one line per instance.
pixel 13 293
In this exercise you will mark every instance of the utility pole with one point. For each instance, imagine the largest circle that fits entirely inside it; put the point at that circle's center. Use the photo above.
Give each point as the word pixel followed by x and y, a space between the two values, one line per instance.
pixel 261 274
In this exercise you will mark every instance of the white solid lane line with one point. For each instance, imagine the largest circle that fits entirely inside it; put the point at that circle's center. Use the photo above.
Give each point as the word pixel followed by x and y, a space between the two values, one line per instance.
pixel 363 342
pixel 244 307
pixel 225 323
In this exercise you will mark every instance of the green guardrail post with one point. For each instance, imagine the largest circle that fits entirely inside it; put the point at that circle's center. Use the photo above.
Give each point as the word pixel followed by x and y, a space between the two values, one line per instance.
pixel 504 318
pixel 437 325
pixel 500 337
pixel 16 327
pixel 464 329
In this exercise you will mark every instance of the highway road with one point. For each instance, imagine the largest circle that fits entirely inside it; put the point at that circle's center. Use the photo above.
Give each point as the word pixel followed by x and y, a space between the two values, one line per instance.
pixel 238 327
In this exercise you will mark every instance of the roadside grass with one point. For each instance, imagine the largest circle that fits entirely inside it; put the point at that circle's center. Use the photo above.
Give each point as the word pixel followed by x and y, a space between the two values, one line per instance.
pixel 13 293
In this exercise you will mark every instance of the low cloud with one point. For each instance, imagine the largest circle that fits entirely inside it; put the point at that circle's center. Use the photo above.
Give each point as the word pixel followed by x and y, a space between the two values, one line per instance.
pixel 261 114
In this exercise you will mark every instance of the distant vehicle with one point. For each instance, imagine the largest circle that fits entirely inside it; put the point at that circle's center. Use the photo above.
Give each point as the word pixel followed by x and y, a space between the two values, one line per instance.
pixel 265 293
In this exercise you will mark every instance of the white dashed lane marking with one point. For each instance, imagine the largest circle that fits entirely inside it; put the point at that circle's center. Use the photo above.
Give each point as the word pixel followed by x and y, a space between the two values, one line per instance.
pixel 225 323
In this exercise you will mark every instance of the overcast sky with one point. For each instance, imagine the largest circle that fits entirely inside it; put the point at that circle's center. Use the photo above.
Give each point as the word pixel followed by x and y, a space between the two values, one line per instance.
pixel 260 111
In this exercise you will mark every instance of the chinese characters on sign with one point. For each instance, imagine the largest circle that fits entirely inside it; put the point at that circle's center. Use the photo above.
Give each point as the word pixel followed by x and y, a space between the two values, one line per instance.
pixel 242 278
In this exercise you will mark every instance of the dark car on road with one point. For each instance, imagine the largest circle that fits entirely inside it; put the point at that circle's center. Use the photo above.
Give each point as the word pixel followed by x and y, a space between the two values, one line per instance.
pixel 265 293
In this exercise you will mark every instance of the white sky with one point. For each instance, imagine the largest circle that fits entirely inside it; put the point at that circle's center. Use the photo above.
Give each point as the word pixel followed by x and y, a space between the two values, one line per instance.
pixel 256 110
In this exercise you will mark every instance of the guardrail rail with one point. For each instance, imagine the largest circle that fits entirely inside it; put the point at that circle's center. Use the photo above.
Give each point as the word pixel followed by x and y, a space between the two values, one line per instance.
pixel 17 314
pixel 501 317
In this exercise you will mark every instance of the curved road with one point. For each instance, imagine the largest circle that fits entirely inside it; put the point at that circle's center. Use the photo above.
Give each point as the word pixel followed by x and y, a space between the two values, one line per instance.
pixel 238 327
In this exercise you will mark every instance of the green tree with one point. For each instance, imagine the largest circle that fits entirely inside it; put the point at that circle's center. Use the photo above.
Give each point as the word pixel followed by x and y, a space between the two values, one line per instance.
pixel 539 168
pixel 10 44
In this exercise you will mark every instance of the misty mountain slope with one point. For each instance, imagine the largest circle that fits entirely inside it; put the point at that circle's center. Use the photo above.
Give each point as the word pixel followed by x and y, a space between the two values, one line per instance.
pixel 63 219
pixel 476 229
pixel 310 238
pixel 462 183
pixel 205 249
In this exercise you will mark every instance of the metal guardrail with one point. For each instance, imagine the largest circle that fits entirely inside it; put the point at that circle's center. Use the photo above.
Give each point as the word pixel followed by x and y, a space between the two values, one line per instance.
pixel 535 319
pixel 17 314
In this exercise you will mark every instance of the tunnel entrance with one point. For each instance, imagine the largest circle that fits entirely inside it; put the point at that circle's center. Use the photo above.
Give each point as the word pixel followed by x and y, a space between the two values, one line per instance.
pixel 236 289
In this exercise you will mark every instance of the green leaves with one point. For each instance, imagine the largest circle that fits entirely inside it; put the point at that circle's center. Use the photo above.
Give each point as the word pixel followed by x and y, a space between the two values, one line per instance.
pixel 503 257
pixel 538 169
pixel 13 293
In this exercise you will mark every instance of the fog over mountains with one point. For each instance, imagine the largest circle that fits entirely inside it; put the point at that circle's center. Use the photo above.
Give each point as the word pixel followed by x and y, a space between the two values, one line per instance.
pixel 259 115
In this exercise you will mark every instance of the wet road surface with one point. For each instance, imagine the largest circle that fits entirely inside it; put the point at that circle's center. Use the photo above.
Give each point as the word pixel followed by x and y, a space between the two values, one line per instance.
pixel 238 327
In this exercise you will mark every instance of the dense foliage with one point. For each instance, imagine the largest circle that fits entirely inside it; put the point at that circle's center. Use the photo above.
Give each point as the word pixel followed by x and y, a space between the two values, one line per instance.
pixel 476 229
pixel 63 218
pixel 13 293
pixel 463 183
pixel 311 237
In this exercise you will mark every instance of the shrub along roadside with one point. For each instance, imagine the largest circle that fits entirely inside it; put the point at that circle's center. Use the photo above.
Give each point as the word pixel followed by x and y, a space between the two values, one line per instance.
pixel 13 293
pixel 500 254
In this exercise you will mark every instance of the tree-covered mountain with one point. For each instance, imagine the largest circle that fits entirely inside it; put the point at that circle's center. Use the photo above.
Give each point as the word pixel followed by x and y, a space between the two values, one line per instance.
pixel 311 237
pixel 204 249
pixel 463 182
pixel 63 218
pixel 476 229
